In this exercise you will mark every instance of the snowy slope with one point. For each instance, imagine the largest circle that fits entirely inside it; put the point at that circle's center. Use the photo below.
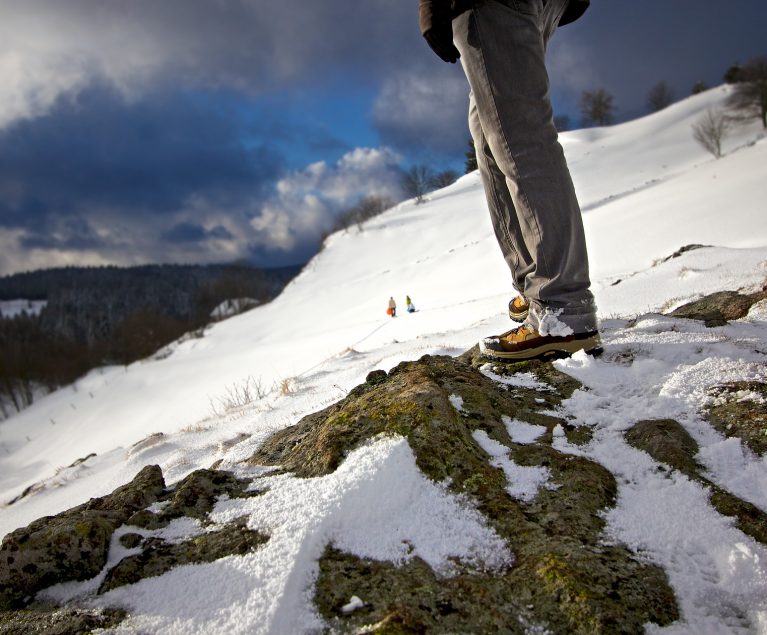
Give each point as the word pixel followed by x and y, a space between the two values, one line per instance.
pixel 646 188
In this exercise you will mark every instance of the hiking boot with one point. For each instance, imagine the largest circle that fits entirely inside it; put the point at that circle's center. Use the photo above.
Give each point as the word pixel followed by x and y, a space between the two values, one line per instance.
pixel 518 309
pixel 525 342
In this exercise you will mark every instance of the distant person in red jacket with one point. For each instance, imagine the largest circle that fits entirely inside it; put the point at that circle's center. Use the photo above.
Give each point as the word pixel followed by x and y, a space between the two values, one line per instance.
pixel 535 213
pixel 392 307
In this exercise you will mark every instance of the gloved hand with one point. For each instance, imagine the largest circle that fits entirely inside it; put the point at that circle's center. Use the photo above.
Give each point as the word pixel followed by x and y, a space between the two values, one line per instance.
pixel 437 28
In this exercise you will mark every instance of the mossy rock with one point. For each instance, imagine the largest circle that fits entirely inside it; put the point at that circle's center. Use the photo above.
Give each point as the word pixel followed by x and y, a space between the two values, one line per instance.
pixel 668 442
pixel 747 419
pixel 194 496
pixel 51 620
pixel 562 385
pixel 159 557
pixel 563 577
pixel 717 309
pixel 72 545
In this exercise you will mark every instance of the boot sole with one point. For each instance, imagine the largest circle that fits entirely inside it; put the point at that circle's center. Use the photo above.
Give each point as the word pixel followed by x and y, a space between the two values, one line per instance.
pixel 519 317
pixel 553 350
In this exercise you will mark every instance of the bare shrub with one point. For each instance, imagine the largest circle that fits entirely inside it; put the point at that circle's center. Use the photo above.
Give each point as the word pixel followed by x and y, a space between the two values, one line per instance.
pixel 597 107
pixel 444 178
pixel 238 395
pixel 417 182
pixel 710 130
pixel 288 386
pixel 660 97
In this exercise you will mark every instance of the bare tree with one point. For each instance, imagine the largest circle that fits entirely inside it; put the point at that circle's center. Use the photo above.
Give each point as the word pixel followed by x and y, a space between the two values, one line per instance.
pixel 749 97
pixel 660 96
pixel 444 178
pixel 699 87
pixel 597 107
pixel 365 209
pixel 710 131
pixel 732 74
pixel 417 182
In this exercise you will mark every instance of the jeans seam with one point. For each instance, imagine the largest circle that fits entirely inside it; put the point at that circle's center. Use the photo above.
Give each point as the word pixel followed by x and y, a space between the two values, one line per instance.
pixel 502 132
pixel 505 226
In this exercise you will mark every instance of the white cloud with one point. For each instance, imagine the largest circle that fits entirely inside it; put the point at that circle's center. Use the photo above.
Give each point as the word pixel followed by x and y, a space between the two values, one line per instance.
pixel 304 205
pixel 421 108
pixel 53 48
pixel 307 201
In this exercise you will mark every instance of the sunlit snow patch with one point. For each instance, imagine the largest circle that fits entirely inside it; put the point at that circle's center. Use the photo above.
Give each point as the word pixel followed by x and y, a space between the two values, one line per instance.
pixel 457 402
pixel 523 481
pixel 376 505
pixel 521 432
pixel 517 380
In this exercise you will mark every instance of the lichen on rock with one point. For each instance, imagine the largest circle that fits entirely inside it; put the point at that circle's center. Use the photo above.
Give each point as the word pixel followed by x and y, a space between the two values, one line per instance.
pixel 563 576
pixel 158 556
pixel 717 309
pixel 739 409
pixel 72 545
pixel 53 620
pixel 194 497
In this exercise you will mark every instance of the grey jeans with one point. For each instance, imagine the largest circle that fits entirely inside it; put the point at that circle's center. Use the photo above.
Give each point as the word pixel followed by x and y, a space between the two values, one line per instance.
pixel 530 193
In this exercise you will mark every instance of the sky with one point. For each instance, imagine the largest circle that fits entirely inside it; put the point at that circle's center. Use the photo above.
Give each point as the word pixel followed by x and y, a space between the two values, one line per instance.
pixel 194 131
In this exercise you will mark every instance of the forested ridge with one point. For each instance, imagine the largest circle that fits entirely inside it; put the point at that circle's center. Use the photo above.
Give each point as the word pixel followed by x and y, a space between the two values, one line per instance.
pixel 97 316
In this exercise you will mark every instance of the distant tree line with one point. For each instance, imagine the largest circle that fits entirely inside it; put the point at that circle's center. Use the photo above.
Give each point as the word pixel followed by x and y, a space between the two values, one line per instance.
pixel 109 315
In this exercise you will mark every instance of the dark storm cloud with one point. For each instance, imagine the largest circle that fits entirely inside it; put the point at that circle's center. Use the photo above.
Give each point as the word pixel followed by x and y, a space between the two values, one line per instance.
pixel 191 233
pixel 624 47
pixel 251 46
pixel 628 47
pixel 98 152
pixel 258 47
pixel 173 177
pixel 76 234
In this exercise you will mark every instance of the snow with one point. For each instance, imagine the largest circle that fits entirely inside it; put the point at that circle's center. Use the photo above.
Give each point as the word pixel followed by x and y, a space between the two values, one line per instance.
pixel 353 604
pixel 521 432
pixel 15 308
pixel 232 307
pixel 457 402
pixel 377 505
pixel 550 324
pixel 524 481
pixel 647 189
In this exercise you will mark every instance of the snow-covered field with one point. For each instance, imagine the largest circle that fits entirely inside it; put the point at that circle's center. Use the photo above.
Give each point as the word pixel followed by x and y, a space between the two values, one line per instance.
pixel 14 308
pixel 646 188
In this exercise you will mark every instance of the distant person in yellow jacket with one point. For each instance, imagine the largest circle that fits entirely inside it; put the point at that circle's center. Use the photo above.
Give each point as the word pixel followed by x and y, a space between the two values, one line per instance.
pixel 409 304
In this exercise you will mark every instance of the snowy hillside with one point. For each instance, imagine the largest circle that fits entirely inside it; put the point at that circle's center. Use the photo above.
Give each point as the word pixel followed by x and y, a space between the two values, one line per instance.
pixel 646 188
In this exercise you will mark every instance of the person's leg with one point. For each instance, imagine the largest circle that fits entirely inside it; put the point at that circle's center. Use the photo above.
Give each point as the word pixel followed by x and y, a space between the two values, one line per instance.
pixel 502 47
pixel 502 212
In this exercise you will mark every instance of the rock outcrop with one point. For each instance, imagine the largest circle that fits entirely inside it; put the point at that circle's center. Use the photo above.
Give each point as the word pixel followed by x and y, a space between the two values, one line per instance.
pixel 717 309
pixel 72 545
pixel 565 577
pixel 739 409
